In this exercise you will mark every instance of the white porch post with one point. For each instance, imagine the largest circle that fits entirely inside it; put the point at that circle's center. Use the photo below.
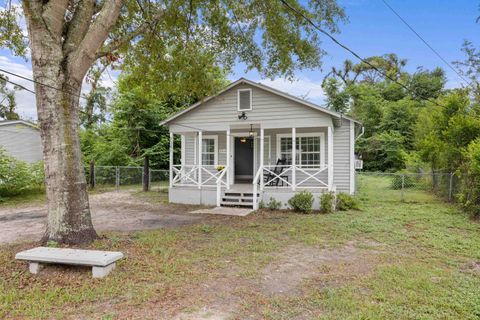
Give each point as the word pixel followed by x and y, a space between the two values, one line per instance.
pixel 262 148
pixel 170 172
pixel 330 157
pixel 228 159
pixel 294 158
pixel 199 159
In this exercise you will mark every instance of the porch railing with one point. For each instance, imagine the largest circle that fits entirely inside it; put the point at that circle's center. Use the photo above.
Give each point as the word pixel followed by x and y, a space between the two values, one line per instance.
pixel 198 176
pixel 188 175
pixel 290 177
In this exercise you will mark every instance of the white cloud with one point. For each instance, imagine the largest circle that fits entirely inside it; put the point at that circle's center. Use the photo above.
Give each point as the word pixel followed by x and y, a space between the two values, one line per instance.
pixel 304 88
pixel 26 106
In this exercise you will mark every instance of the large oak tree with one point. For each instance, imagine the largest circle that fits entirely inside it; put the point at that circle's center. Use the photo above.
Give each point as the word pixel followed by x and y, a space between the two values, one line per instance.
pixel 66 37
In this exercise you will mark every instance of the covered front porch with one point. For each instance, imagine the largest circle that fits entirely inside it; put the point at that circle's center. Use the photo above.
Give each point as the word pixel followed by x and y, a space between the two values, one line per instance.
pixel 252 159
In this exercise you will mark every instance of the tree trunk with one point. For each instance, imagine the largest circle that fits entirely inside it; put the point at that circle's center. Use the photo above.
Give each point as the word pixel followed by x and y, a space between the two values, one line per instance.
pixel 69 219
pixel 62 51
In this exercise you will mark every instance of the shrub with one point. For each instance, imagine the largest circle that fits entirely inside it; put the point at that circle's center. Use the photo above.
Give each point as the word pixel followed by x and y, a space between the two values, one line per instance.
pixel 274 204
pixel 469 196
pixel 346 202
pixel 17 177
pixel 302 202
pixel 327 202
pixel 14 175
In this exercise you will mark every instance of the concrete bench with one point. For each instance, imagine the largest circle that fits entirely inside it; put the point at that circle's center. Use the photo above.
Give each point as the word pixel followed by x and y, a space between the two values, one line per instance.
pixel 102 262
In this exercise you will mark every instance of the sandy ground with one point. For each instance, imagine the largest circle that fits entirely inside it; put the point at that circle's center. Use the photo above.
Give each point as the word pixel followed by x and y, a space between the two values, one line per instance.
pixel 111 211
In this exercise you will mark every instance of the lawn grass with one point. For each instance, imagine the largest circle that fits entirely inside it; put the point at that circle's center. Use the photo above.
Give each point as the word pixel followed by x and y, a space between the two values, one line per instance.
pixel 421 258
pixel 29 198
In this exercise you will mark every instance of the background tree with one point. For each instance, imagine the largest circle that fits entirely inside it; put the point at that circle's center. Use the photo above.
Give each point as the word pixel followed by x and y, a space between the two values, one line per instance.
pixel 7 100
pixel 66 37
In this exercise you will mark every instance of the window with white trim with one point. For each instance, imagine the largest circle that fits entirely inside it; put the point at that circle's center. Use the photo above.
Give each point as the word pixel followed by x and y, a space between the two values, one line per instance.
pixel 209 151
pixel 309 150
pixel 244 99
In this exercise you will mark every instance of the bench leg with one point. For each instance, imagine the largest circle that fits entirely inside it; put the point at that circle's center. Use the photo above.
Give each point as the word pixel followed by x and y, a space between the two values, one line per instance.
pixel 34 267
pixel 100 272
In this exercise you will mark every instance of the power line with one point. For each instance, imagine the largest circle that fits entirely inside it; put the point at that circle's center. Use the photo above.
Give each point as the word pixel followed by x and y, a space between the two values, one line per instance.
pixel 351 51
pixel 18 85
pixel 40 83
pixel 426 43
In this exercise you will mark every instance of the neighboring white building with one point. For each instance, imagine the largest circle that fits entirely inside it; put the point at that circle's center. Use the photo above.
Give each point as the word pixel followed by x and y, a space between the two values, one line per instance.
pixel 250 143
pixel 21 140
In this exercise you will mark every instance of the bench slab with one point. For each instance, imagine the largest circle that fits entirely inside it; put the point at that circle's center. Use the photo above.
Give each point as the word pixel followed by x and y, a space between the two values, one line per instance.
pixel 102 262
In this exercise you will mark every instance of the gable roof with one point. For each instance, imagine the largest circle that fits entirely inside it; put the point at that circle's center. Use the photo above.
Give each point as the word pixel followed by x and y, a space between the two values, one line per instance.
pixel 24 122
pixel 334 114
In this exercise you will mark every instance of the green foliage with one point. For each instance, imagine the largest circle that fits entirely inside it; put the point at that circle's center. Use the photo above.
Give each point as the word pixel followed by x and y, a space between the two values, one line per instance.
pixel 17 177
pixel 346 202
pixel 383 151
pixel 8 103
pixel 274 204
pixel 470 194
pixel 11 33
pixel 327 202
pixel 302 202
pixel 425 84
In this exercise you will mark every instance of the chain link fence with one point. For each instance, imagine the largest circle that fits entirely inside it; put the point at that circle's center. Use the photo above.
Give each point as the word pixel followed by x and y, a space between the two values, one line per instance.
pixel 408 187
pixel 127 176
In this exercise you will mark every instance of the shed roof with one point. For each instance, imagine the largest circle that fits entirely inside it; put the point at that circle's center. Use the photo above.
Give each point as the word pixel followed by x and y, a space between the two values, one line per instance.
pixel 24 122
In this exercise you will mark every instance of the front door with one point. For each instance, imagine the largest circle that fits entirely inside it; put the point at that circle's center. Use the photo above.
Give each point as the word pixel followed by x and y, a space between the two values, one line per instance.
pixel 243 160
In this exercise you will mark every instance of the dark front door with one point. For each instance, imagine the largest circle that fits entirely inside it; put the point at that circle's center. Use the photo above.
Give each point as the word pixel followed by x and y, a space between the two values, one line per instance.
pixel 243 160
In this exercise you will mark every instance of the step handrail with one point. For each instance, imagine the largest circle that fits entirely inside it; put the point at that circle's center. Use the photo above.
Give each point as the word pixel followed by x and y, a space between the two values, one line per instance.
pixel 219 185
pixel 255 186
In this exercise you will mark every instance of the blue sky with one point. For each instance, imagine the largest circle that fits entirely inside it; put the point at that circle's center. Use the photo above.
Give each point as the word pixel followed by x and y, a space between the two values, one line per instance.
pixel 372 30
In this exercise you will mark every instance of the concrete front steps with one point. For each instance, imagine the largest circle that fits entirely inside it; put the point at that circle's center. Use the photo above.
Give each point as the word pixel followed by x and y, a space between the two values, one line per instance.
pixel 238 199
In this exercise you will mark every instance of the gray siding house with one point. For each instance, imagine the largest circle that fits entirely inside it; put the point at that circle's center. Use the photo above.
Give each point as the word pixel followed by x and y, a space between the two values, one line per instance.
pixel 250 143
pixel 21 140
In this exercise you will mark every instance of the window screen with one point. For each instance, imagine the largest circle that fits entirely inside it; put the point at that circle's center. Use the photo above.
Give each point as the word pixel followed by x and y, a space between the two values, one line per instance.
pixel 308 151
pixel 208 152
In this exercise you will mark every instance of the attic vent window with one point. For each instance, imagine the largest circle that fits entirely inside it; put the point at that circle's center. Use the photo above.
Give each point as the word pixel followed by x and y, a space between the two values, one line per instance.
pixel 244 100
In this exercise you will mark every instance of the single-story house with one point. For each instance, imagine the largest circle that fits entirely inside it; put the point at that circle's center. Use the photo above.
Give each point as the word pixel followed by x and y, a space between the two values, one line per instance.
pixel 21 140
pixel 250 143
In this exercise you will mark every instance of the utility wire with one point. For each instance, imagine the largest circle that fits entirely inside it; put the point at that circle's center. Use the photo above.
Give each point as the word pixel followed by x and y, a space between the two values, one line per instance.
pixel 286 4
pixel 40 83
pixel 18 85
pixel 426 43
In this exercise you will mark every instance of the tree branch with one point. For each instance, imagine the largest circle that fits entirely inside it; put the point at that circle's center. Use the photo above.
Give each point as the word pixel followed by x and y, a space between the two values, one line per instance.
pixel 83 57
pixel 116 44
pixel 78 26
pixel 54 16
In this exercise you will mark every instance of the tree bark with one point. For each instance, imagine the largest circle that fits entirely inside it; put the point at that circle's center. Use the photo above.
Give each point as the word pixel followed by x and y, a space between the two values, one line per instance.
pixel 69 219
pixel 59 65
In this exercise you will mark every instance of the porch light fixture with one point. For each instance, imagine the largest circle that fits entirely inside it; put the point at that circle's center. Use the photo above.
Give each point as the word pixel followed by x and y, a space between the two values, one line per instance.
pixel 251 132
pixel 242 116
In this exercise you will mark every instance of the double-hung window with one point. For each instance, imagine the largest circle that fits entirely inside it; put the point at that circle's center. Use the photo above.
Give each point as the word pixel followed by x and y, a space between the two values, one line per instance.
pixel 209 150
pixel 310 149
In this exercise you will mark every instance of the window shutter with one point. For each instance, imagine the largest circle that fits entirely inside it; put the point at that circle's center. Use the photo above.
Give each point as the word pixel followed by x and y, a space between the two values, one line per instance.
pixel 244 100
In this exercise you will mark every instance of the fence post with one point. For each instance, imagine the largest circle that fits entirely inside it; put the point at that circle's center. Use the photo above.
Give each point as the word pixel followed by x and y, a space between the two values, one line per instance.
pixel 403 186
pixel 117 177
pixel 450 186
pixel 92 174
pixel 146 174
pixel 149 177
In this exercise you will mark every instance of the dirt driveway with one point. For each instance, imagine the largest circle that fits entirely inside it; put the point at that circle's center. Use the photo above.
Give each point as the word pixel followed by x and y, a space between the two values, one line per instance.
pixel 111 211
